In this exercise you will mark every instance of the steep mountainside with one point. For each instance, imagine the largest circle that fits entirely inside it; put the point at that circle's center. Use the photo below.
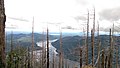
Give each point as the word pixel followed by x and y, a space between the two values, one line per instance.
pixel 25 40
pixel 72 43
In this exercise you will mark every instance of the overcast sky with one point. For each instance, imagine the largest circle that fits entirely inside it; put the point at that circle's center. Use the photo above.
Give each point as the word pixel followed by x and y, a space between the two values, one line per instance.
pixel 68 14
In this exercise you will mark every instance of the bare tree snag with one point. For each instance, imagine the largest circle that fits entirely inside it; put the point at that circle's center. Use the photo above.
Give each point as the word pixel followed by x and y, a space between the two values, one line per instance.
pixel 103 57
pixel 2 34
pixel 92 46
pixel 53 66
pixel 117 57
pixel 110 53
pixel 94 21
pixel 32 62
pixel 47 48
pixel 98 65
pixel 28 66
pixel 92 38
pixel 60 55
pixel 87 39
pixel 80 57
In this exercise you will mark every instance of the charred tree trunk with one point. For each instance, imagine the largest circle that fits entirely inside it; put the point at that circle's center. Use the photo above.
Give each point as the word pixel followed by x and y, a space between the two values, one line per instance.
pixel 98 65
pixel 62 60
pixel 92 46
pixel 42 55
pixel 32 61
pixel 2 34
pixel 53 66
pixel 80 57
pixel 93 32
pixel 103 57
pixel 28 58
pixel 87 40
pixel 60 55
pixel 94 21
pixel 47 48
pixel 110 53
pixel 106 61
pixel 117 57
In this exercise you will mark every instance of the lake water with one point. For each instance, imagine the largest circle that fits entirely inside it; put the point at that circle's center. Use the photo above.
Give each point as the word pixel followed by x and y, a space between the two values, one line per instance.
pixel 53 50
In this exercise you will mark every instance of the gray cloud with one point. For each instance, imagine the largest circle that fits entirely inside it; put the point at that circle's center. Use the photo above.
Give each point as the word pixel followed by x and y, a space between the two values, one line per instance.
pixel 83 18
pixel 11 27
pixel 69 27
pixel 104 29
pixel 116 28
pixel 110 14
pixel 19 19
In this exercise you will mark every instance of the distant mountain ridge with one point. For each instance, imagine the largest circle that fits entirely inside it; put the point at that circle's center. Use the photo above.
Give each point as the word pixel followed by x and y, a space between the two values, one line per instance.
pixel 71 43
pixel 25 40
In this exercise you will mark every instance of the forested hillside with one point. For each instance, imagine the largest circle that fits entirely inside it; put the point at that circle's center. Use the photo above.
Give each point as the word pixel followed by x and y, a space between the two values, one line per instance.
pixel 24 40
pixel 71 45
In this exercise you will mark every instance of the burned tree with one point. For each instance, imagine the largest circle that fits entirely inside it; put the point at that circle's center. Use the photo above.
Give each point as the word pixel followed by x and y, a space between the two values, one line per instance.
pixel 32 47
pixel 60 55
pixel 110 53
pixel 2 34
pixel 92 46
pixel 80 57
pixel 47 48
pixel 87 40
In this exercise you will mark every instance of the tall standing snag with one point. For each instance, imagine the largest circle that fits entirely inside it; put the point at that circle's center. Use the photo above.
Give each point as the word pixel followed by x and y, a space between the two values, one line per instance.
pixel 53 66
pixel 92 46
pixel 87 39
pixel 93 39
pixel 103 57
pixel 47 48
pixel 32 62
pixel 60 55
pixel 80 57
pixel 2 34
pixel 110 53
pixel 98 47
pixel 94 21
pixel 28 58
pixel 117 57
